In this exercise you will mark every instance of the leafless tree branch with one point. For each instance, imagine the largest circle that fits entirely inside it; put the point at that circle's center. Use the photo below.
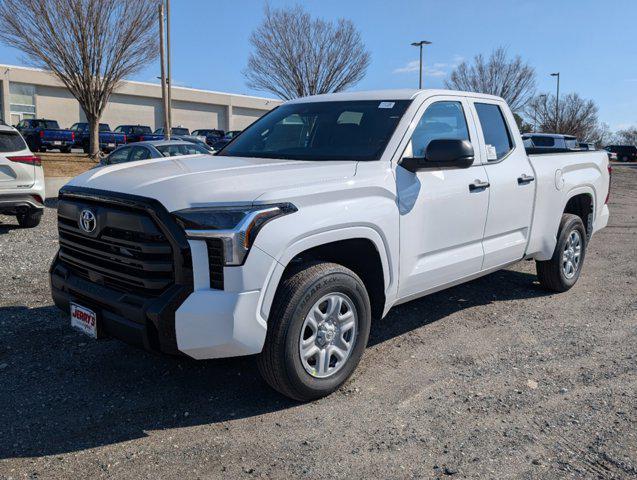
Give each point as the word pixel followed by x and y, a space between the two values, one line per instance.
pixel 577 116
pixel 89 45
pixel 295 56
pixel 513 80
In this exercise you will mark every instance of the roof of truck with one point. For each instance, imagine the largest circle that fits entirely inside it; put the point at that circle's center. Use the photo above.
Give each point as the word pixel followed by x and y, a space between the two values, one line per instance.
pixel 398 94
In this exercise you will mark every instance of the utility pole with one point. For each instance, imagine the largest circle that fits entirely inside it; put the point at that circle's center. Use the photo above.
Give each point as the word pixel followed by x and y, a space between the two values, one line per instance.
pixel 420 44
pixel 170 76
pixel 162 61
pixel 557 103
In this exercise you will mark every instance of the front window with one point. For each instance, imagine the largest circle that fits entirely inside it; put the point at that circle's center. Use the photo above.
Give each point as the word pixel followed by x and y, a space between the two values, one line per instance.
pixel 441 120
pixel 347 130
pixel 104 127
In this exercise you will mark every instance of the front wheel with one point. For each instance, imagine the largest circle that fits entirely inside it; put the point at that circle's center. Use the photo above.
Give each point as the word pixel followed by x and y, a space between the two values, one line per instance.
pixel 317 331
pixel 561 272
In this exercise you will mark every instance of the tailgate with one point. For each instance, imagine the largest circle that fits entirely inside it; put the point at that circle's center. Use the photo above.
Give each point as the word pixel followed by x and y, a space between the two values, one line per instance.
pixel 60 135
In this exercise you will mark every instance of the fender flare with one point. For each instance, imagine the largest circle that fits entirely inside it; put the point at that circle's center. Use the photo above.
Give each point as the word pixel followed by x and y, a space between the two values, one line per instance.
pixel 323 238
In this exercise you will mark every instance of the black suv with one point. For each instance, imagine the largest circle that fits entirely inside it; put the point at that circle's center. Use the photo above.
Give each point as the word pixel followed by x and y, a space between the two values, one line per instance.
pixel 625 153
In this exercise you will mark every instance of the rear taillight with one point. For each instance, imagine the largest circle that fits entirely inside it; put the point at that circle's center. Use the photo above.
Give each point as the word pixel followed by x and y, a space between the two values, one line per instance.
pixel 125 139
pixel 610 174
pixel 28 159
pixel 72 135
pixel 41 133
pixel 141 138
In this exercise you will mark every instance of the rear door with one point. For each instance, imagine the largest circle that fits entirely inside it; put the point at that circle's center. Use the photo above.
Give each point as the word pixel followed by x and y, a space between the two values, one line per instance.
pixel 14 173
pixel 512 184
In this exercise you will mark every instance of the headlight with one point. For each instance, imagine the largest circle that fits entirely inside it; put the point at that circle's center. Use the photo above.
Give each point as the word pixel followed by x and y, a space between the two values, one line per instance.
pixel 236 227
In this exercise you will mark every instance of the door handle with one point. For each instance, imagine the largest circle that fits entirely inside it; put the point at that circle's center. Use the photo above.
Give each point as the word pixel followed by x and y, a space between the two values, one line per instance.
pixel 524 179
pixel 478 185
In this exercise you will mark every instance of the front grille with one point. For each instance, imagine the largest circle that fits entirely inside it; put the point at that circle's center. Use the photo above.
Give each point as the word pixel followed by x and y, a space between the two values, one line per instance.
pixel 127 252
pixel 215 262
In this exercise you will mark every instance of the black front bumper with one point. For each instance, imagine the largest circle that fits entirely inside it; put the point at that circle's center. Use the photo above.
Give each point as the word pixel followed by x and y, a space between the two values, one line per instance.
pixel 147 321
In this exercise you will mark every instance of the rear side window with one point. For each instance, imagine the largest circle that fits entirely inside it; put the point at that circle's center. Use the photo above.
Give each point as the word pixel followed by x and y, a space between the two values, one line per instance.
pixel 496 134
pixel 180 149
pixel 11 142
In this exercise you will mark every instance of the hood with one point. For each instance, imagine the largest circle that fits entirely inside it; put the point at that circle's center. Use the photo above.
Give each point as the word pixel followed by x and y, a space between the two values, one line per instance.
pixel 197 180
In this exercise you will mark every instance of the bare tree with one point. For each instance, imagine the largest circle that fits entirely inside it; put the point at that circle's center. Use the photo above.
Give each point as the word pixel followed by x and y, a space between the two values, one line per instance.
pixel 295 56
pixel 577 116
pixel 627 136
pixel 513 80
pixel 90 45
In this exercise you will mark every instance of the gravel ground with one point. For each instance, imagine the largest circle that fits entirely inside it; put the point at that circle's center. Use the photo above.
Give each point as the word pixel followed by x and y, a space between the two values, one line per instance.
pixel 492 379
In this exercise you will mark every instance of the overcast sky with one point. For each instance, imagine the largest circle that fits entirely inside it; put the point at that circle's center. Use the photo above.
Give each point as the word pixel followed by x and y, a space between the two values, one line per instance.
pixel 591 42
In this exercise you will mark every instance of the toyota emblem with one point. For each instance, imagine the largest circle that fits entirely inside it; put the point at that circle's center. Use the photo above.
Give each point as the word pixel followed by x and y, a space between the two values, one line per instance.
pixel 88 222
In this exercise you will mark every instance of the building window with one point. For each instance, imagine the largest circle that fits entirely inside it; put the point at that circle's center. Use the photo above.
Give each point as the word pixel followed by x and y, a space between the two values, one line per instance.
pixel 21 101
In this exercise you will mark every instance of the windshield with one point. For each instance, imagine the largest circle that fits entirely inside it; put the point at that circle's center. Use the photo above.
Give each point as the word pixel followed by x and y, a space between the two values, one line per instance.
pixel 179 131
pixel 350 130
pixel 104 127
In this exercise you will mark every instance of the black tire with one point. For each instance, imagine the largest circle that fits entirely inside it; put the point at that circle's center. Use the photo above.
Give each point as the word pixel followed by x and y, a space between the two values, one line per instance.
pixel 550 272
pixel 65 150
pixel 625 158
pixel 280 362
pixel 30 219
pixel 42 149
pixel 85 149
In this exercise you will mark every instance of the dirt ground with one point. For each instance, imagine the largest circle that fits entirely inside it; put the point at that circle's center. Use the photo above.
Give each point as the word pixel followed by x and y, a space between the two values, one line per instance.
pixel 65 164
pixel 492 379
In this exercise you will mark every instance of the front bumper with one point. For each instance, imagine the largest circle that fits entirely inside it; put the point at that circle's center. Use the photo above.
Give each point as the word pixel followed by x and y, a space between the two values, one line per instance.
pixel 145 323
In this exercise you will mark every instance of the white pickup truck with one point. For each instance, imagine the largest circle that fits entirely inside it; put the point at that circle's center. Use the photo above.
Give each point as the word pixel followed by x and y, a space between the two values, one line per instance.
pixel 322 215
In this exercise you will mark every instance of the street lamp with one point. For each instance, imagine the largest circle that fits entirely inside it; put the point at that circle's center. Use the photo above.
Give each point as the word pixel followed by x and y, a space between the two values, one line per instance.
pixel 420 44
pixel 557 102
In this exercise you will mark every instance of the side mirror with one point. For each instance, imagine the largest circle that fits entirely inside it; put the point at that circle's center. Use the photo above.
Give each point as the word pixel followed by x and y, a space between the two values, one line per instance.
pixel 442 153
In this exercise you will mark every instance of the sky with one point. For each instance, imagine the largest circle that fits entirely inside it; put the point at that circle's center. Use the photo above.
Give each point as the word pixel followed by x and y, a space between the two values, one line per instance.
pixel 590 42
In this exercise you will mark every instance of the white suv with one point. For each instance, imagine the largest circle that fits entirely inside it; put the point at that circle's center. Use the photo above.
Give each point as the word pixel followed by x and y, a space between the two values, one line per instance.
pixel 21 179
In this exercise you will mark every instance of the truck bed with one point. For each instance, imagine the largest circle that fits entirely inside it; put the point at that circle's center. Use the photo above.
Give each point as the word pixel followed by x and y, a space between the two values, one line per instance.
pixel 560 176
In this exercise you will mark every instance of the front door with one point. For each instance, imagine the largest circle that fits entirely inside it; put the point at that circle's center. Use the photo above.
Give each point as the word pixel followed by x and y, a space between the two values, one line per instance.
pixel 442 218
pixel 512 185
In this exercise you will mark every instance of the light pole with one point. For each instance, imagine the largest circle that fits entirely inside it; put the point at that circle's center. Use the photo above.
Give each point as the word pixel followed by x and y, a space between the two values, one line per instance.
pixel 557 103
pixel 420 44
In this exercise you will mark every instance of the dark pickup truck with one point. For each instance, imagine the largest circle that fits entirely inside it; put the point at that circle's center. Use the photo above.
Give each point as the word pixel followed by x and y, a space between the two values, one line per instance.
pixel 109 140
pixel 135 133
pixel 42 135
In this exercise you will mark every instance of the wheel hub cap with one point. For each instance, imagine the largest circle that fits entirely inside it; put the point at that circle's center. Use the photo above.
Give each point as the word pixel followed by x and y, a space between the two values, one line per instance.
pixel 571 255
pixel 328 335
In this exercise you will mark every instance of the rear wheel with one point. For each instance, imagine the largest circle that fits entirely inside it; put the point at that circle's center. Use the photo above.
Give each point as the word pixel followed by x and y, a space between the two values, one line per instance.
pixel 625 158
pixel 29 219
pixel 317 331
pixel 65 150
pixel 561 272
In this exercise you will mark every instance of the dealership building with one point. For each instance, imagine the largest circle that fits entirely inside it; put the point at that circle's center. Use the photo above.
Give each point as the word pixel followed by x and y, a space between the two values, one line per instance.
pixel 34 93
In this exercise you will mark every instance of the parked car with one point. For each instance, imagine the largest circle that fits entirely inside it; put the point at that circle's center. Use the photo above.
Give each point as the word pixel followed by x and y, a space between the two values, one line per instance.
pixel 42 135
pixel 625 153
pixel 587 146
pixel 108 142
pixel 153 149
pixel 290 240
pixel 134 133
pixel 556 142
pixel 21 179
pixel 196 140
pixel 228 137
pixel 212 134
